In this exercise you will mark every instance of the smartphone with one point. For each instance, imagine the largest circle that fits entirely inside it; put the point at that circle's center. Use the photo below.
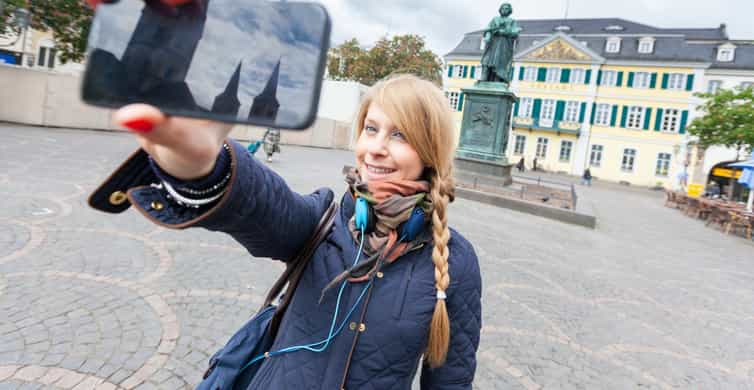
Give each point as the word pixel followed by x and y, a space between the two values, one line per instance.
pixel 252 61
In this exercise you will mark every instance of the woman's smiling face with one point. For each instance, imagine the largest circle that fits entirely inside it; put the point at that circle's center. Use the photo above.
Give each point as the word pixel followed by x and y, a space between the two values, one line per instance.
pixel 382 151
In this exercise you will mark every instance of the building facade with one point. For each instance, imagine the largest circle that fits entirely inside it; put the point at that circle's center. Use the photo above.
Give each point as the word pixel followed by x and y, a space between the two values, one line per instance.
pixel 609 94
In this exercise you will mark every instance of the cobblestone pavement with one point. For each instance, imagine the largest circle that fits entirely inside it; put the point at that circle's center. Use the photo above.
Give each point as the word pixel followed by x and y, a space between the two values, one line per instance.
pixel 650 299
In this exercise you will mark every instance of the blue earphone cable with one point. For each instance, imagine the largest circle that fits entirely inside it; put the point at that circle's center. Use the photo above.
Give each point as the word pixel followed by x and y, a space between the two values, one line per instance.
pixel 331 335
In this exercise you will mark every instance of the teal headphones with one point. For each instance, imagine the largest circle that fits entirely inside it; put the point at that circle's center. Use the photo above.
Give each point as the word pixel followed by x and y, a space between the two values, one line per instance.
pixel 365 220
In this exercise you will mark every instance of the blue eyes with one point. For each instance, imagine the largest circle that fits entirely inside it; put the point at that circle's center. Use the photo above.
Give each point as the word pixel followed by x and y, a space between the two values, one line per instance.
pixel 395 134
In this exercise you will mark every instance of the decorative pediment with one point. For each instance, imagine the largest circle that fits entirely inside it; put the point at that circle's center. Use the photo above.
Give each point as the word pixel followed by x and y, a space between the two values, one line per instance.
pixel 560 48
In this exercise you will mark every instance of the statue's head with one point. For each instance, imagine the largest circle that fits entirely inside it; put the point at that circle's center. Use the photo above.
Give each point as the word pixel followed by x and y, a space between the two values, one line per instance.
pixel 506 9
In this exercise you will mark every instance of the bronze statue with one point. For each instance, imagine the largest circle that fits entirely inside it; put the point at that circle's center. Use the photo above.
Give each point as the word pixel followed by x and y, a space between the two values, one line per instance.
pixel 500 39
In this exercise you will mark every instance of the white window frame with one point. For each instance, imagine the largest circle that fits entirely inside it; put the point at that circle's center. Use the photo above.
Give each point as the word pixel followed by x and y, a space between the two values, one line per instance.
pixel 478 72
pixel 646 45
pixel 572 111
pixel 635 118
pixel 547 113
pixel 609 78
pixel 542 144
pixel 453 98
pixel 578 75
pixel 726 53
pixel 714 85
pixel 612 45
pixel 48 60
pixel 565 145
pixel 525 108
pixel 677 81
pixel 553 75
pixel 595 155
pixel 671 120
pixel 662 167
pixel 629 160
pixel 603 115
pixel 642 80
pixel 520 146
pixel 530 73
pixel 458 71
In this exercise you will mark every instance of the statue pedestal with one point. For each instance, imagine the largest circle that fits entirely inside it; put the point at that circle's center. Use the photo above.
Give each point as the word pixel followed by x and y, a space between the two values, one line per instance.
pixel 484 131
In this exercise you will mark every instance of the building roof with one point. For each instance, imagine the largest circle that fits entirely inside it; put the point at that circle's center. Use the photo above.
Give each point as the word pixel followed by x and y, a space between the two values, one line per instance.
pixel 671 44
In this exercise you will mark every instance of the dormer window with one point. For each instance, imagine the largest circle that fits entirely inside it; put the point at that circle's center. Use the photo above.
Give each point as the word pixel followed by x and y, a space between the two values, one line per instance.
pixel 613 45
pixel 563 28
pixel 614 27
pixel 726 53
pixel 646 45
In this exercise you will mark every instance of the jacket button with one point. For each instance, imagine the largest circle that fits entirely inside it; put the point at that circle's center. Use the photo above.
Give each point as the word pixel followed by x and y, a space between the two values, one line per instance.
pixel 117 198
pixel 380 275
pixel 156 205
pixel 362 327
pixel 352 326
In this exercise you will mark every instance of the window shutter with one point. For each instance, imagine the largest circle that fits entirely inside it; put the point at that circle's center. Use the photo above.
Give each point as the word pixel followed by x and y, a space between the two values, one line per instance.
pixel 614 116
pixel 465 70
pixel 658 121
pixel 647 118
pixel 559 108
pixel 653 81
pixel 511 73
pixel 599 77
pixel 684 120
pixel 473 70
pixel 624 116
pixel 450 70
pixel 460 102
pixel 516 109
pixel 690 82
pixel 619 82
pixel 588 77
pixel 594 113
pixel 582 112
pixel 521 73
pixel 565 75
pixel 537 108
pixel 665 79
pixel 541 74
pixel 630 80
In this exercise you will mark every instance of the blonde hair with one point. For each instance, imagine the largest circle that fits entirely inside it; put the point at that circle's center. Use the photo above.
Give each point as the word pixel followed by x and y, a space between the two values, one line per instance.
pixel 419 109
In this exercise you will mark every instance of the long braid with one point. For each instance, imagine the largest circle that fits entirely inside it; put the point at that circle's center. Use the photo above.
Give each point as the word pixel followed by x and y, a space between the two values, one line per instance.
pixel 439 332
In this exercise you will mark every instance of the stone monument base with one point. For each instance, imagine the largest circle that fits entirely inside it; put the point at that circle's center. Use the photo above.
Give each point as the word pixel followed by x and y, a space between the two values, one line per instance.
pixel 469 167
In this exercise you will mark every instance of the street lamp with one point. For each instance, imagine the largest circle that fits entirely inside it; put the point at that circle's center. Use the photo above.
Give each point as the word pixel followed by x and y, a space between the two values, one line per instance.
pixel 21 17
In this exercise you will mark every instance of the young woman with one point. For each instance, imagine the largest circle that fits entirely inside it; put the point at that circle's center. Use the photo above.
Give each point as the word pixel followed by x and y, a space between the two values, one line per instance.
pixel 424 292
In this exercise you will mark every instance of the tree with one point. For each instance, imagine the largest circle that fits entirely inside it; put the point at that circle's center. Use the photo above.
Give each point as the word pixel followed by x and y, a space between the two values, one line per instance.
pixel 728 120
pixel 399 54
pixel 68 20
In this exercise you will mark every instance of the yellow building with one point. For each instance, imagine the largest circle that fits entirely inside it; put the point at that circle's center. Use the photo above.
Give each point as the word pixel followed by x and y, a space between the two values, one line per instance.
pixel 608 94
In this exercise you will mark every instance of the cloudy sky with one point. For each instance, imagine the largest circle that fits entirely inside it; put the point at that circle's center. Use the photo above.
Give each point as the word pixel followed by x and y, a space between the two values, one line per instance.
pixel 443 22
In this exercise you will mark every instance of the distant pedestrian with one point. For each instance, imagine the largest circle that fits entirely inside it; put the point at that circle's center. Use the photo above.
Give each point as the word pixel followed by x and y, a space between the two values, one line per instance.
pixel 534 165
pixel 586 178
pixel 521 165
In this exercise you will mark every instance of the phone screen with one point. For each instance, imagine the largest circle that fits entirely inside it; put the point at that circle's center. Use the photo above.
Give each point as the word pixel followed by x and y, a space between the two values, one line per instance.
pixel 256 62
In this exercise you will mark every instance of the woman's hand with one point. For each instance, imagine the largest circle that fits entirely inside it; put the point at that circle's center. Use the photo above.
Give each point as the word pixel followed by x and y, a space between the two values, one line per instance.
pixel 183 147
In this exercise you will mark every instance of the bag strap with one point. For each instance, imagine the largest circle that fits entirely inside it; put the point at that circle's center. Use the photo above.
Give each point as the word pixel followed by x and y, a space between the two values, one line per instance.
pixel 295 268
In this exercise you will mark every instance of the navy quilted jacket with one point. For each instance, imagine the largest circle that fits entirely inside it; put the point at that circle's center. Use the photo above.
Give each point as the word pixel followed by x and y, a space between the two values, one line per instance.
pixel 270 220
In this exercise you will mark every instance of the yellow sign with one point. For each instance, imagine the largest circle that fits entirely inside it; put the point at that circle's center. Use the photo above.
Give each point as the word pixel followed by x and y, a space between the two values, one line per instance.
pixel 725 172
pixel 695 190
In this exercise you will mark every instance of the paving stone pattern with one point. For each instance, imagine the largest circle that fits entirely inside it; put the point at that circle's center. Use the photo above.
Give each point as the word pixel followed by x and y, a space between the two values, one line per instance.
pixel 649 299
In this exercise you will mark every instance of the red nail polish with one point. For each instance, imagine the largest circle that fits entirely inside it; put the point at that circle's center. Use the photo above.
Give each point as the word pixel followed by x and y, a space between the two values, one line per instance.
pixel 139 125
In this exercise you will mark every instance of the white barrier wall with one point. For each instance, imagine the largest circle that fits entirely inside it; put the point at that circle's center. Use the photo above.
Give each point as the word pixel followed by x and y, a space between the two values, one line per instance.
pixel 43 98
